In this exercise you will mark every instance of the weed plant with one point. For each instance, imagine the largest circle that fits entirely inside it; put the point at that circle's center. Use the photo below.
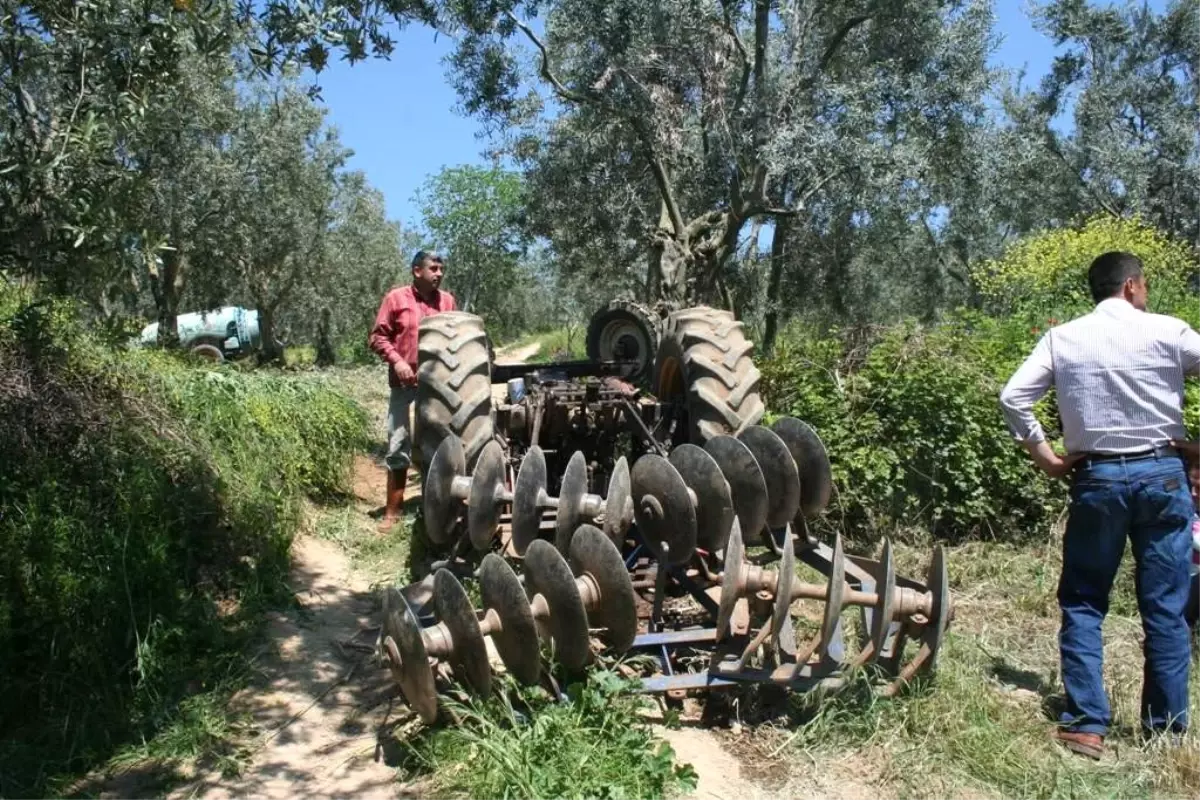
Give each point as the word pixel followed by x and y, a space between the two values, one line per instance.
pixel 522 743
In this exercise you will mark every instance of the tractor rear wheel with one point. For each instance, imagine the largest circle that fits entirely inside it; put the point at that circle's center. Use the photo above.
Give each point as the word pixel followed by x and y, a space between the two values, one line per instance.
pixel 704 364
pixel 454 385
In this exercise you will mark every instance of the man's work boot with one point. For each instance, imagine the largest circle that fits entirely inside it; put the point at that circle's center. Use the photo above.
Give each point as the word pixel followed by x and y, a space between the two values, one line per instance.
pixel 394 508
pixel 1086 744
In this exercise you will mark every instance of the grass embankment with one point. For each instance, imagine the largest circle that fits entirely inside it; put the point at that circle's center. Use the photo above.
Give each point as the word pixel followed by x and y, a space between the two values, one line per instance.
pixel 148 507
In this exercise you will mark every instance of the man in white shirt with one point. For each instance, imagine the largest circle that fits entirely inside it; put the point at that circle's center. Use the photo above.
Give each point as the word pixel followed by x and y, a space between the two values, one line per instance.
pixel 1118 376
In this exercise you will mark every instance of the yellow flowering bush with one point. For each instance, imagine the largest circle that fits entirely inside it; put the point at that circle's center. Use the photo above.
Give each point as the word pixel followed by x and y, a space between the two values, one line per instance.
pixel 1046 273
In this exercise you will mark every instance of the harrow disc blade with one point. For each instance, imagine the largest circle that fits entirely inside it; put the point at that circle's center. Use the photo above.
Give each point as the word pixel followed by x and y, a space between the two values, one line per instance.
pixel 812 463
pixel 714 502
pixel 664 510
pixel 449 462
pixel 407 658
pixel 593 554
pixel 939 586
pixel 570 501
pixel 618 508
pixel 527 506
pixel 731 579
pixel 935 627
pixel 747 485
pixel 779 470
pixel 834 593
pixel 469 659
pixel 885 586
pixel 516 641
pixel 783 636
pixel 483 504
pixel 548 574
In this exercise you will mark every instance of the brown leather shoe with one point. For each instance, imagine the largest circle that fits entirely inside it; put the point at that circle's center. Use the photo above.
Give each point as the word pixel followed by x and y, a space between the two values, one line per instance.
pixel 1087 744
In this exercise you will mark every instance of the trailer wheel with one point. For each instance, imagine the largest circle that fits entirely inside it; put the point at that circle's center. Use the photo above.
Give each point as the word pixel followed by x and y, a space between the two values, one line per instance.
pixel 454 385
pixel 704 365
pixel 209 352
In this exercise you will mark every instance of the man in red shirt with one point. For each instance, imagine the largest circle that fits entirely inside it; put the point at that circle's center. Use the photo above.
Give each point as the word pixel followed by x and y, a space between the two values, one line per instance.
pixel 394 338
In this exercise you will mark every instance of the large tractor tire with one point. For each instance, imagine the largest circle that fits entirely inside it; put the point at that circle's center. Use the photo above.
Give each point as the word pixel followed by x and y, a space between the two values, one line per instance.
pixel 704 363
pixel 454 385
pixel 624 331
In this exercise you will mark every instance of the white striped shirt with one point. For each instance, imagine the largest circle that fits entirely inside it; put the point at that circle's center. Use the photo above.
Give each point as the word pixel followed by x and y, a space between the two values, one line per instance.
pixel 1118 375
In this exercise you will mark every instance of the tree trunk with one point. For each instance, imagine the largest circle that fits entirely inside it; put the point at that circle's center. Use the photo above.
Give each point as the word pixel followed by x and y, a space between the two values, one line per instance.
pixel 667 277
pixel 326 356
pixel 779 251
pixel 669 260
pixel 271 352
pixel 166 285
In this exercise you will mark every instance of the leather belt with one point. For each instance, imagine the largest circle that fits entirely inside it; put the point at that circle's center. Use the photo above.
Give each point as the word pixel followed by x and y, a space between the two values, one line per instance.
pixel 1139 455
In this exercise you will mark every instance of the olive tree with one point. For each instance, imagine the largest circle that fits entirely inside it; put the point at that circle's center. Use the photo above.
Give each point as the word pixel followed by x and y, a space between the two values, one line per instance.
pixel 287 162
pixel 680 121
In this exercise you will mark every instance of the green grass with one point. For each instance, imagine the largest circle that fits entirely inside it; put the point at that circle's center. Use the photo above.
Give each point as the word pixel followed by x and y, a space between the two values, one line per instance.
pixel 522 744
pixel 981 725
pixel 381 556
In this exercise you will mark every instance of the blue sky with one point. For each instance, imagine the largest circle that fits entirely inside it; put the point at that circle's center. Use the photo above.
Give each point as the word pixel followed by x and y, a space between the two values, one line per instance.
pixel 399 115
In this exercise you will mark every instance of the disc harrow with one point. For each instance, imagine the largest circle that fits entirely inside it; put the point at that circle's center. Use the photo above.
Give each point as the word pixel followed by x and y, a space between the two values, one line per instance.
pixel 594 568
pixel 559 602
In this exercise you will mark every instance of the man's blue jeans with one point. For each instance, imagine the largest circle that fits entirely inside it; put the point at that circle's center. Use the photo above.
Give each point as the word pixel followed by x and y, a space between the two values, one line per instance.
pixel 1146 500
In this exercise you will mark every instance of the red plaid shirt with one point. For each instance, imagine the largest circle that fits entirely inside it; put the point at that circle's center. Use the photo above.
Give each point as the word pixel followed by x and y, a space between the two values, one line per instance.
pixel 394 336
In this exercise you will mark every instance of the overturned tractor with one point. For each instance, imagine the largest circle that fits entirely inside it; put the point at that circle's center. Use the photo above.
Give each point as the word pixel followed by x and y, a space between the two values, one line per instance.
pixel 611 505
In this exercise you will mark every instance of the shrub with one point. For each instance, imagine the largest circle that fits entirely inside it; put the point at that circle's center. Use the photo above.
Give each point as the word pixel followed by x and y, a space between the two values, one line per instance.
pixel 911 421
pixel 146 509
pixel 1045 275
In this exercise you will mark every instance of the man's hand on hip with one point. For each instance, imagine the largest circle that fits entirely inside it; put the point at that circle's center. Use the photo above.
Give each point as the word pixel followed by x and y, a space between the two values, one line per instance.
pixel 1190 450
pixel 405 373
pixel 1051 463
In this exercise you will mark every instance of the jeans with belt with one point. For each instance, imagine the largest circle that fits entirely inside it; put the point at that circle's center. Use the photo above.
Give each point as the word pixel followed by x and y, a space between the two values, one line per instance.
pixel 1147 500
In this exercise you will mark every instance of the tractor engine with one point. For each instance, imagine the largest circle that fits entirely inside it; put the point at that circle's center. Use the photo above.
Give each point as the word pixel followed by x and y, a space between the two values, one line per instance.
pixel 602 417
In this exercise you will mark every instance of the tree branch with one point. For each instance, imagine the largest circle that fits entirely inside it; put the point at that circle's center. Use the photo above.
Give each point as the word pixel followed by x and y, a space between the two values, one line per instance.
pixel 665 189
pixel 805 196
pixel 839 36
pixel 744 83
pixel 703 223
pixel 547 74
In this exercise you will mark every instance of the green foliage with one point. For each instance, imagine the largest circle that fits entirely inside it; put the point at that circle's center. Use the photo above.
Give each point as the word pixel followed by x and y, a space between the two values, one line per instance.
pixel 1045 274
pixel 591 745
pixel 474 215
pixel 148 506
pixel 912 424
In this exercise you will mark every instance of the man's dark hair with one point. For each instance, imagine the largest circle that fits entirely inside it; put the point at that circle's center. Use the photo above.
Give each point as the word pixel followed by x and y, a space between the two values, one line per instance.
pixel 1110 270
pixel 424 255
